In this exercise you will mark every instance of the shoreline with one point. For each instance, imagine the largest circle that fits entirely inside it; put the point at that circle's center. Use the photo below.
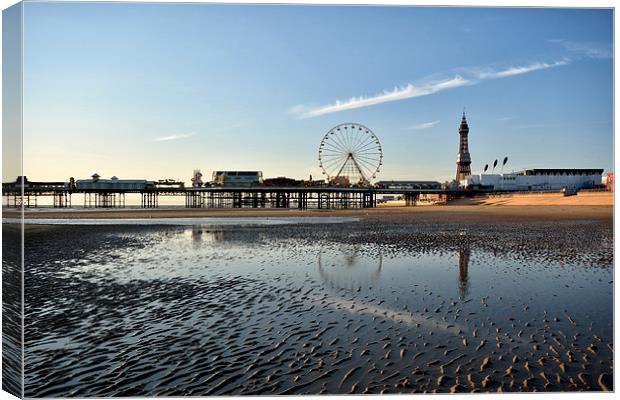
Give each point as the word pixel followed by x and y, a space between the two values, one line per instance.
pixel 478 213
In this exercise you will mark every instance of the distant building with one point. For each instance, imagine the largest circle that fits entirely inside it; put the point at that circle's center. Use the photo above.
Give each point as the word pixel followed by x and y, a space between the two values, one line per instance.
pixel 536 179
pixel 340 181
pixel 283 181
pixel 237 178
pixel 22 182
pixel 315 183
pixel 463 159
pixel 408 185
pixel 96 183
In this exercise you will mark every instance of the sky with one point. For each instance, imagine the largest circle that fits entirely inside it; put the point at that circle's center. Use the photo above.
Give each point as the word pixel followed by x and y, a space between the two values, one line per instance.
pixel 154 91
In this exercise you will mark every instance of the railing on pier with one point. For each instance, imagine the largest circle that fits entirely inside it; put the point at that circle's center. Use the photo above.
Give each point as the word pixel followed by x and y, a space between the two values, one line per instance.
pixel 273 198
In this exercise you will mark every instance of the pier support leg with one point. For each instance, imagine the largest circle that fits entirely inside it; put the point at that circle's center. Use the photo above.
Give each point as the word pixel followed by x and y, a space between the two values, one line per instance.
pixel 237 199
pixel 150 200
pixel 411 199
pixel 302 200
pixel 62 200
pixel 194 200
pixel 369 200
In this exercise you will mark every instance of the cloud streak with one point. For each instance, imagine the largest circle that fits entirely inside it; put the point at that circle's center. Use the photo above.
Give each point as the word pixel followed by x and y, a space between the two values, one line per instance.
pixel 520 70
pixel 425 125
pixel 173 137
pixel 409 91
pixel 399 93
pixel 588 49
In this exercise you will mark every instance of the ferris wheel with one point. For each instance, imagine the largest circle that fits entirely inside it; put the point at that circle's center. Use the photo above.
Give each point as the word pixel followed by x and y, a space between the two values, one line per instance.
pixel 350 153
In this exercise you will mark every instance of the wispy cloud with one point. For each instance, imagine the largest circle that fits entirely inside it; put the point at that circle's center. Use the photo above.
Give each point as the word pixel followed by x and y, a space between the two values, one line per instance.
pixel 588 49
pixel 409 91
pixel 425 125
pixel 523 69
pixel 399 93
pixel 174 137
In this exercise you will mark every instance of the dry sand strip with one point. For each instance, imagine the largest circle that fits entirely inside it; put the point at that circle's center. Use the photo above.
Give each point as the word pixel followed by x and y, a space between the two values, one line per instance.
pixel 540 199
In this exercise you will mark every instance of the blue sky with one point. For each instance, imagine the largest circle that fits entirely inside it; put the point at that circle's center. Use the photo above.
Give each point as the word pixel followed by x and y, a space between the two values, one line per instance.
pixel 156 90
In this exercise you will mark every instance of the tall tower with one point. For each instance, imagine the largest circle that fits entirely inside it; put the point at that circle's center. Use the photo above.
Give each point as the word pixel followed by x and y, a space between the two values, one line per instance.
pixel 463 159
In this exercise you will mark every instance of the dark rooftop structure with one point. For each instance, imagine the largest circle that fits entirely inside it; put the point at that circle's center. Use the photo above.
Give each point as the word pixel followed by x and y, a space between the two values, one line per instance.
pixel 561 171
pixel 409 184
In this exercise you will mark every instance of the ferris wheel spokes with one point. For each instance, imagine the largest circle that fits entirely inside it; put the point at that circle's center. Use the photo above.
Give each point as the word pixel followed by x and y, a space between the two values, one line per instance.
pixel 350 154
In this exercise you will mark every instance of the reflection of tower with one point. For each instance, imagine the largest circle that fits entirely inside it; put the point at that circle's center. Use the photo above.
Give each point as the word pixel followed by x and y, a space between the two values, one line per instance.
pixel 463 272
pixel 463 159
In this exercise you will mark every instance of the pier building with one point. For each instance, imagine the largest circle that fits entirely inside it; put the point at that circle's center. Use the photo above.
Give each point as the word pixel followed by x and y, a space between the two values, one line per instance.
pixel 237 178
pixel 112 184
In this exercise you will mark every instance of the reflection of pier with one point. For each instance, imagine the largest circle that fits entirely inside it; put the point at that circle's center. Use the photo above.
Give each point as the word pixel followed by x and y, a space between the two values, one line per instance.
pixel 350 271
pixel 464 272
pixel 202 235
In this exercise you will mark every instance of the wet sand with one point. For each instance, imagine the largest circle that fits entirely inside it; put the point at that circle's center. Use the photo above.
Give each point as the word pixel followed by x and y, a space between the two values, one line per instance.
pixel 473 213
pixel 453 300
pixel 12 313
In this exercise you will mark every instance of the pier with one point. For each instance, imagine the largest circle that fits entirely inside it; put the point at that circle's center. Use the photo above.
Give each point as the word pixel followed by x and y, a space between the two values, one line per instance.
pixel 221 197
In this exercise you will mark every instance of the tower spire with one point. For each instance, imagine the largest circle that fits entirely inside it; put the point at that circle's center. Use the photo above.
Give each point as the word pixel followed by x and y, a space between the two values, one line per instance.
pixel 463 159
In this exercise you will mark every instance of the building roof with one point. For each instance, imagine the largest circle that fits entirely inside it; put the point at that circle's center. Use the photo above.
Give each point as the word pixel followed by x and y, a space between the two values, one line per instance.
pixel 112 181
pixel 409 183
pixel 236 173
pixel 561 171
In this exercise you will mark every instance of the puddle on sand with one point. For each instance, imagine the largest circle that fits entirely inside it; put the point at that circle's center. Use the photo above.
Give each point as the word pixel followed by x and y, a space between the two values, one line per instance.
pixel 202 221
pixel 197 311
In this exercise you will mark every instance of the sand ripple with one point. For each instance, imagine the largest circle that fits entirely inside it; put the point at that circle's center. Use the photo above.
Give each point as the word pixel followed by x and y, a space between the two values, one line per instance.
pixel 138 311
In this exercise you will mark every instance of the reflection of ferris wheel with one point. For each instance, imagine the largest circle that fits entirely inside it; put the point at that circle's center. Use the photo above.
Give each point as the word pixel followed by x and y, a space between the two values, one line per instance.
pixel 350 154
pixel 350 269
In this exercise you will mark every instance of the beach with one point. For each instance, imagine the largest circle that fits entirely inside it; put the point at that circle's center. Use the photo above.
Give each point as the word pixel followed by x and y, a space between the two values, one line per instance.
pixel 423 299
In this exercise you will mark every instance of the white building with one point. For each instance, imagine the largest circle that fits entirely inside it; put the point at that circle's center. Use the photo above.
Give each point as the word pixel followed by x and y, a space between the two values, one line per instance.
pixel 96 183
pixel 536 179
pixel 237 178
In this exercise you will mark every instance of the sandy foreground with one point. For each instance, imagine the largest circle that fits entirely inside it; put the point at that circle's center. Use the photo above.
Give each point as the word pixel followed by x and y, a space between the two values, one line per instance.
pixel 403 300
pixel 482 295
